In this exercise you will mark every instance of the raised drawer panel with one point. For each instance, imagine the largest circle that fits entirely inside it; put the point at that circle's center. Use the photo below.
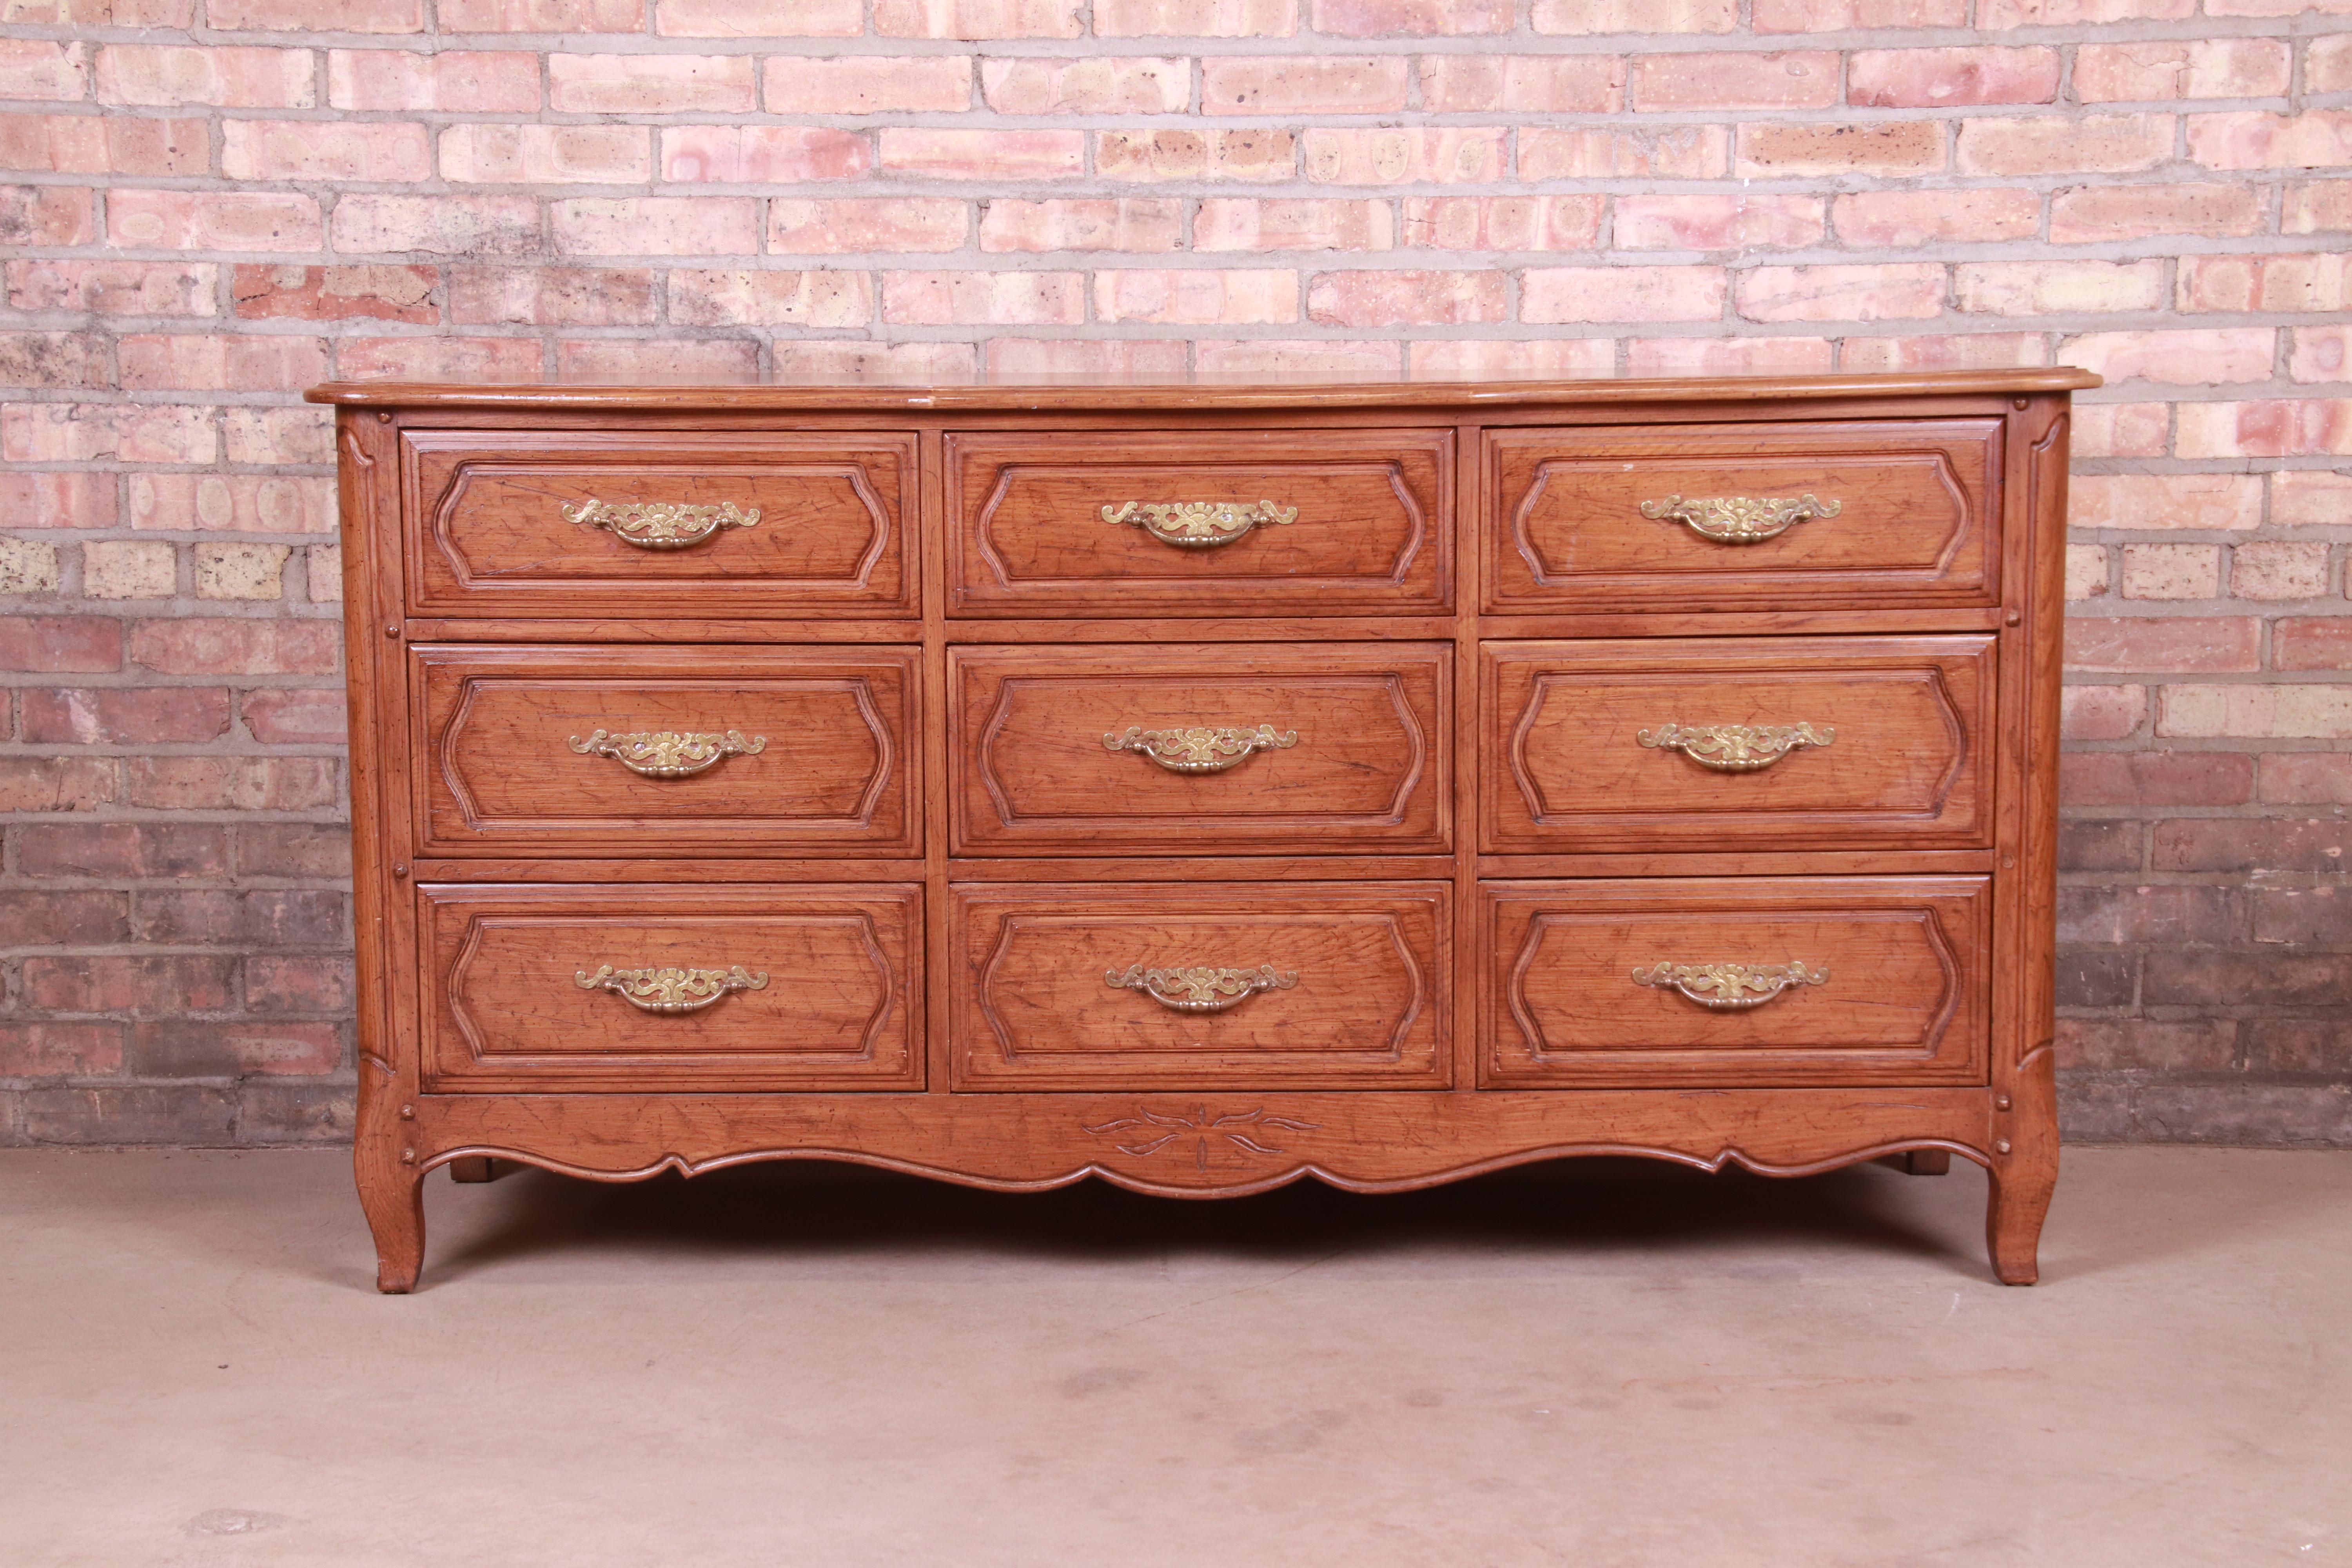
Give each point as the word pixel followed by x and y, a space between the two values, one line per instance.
pixel 543 988
pixel 649 751
pixel 1214 522
pixel 1676 516
pixel 581 523
pixel 1738 744
pixel 1201 986
pixel 1854 980
pixel 1200 749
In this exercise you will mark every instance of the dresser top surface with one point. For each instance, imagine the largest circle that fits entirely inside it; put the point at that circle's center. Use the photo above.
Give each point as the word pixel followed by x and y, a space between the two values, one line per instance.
pixel 1106 394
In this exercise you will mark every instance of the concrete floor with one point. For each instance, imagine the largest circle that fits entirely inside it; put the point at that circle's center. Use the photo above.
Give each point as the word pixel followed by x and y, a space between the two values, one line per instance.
pixel 1593 1363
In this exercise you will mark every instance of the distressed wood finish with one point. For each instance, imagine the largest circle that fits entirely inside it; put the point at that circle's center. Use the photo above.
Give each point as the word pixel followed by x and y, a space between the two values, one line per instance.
pixel 1360 762
pixel 958 893
pixel 1586 749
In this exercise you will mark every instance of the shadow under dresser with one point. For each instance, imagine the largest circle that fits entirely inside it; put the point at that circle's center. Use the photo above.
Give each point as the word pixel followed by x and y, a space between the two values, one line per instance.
pixel 1204 786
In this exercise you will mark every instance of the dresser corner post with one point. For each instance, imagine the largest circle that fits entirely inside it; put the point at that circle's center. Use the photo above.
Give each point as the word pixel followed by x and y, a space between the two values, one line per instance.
pixel 386 1160
pixel 2024 1171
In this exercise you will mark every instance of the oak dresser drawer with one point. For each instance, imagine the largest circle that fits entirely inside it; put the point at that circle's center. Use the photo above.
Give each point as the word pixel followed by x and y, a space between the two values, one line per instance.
pixel 1723 743
pixel 1213 522
pixel 576 523
pixel 1335 985
pixel 678 988
pixel 666 751
pixel 1761 516
pixel 1736 981
pixel 1200 749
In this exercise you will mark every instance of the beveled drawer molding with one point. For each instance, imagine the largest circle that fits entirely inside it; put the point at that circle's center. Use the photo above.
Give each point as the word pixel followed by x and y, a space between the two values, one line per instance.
pixel 1717 517
pixel 1205 788
pixel 1160 523
pixel 620 522
pixel 1347 985
pixel 1348 747
pixel 1722 742
pixel 526 749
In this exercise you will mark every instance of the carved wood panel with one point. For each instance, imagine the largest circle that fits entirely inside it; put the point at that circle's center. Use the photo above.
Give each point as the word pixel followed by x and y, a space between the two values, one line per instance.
pixel 740 989
pixel 1204 986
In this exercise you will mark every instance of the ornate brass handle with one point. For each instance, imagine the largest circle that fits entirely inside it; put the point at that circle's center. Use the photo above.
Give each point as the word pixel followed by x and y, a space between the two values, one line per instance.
pixel 1202 751
pixel 1730 987
pixel 669 991
pixel 1204 989
pixel 1740 519
pixel 1199 524
pixel 1736 748
pixel 669 753
pixel 659 524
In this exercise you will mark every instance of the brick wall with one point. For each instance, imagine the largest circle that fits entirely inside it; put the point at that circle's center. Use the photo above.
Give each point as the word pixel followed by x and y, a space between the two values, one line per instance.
pixel 206 206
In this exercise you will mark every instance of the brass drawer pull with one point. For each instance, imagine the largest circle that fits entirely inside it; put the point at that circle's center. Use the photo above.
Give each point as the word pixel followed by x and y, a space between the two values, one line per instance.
pixel 1740 519
pixel 669 991
pixel 669 753
pixel 659 524
pixel 1730 987
pixel 1203 990
pixel 1736 748
pixel 1202 751
pixel 1199 524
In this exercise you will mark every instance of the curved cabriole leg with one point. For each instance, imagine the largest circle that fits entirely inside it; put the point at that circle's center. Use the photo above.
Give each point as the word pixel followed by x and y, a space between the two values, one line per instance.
pixel 2024 1176
pixel 394 1201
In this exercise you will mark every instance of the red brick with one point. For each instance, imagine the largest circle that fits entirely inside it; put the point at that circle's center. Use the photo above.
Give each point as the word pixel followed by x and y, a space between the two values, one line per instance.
pixel 1895 293
pixel 40 918
pixel 734 19
pixel 2065 145
pixel 57 500
pixel 1522 84
pixel 1399 298
pixel 2103 712
pixel 1244 223
pixel 993 155
pixel 1588 16
pixel 762 155
pixel 1667 153
pixel 213 220
pixel 1622 294
pixel 233 1047
pixel 1537 359
pixel 295 715
pixel 115 288
pixel 2078 13
pixel 869 84
pixel 57 784
pixel 230 784
pixel 977 18
pixel 2311 499
pixel 179 1116
pixel 1260 152
pixel 60 1050
pixel 2094 846
pixel 116 715
pixel 655 226
pixel 1087 86
pixel 1384 18
pixel 561 16
pixel 2316 138
pixel 45 215
pixel 264 290
pixel 2168 71
pixel 89 432
pixel 2172 571
pixel 182 982
pixel 2326 67
pixel 220 74
pixel 1143 358
pixel 2251 847
pixel 650 84
pixel 244 503
pixel 552 296
pixel 1395 155
pixel 1906 218
pixel 1944 351
pixel 2321 207
pixel 293 849
pixel 452 82
pixel 2307 918
pixel 855 359
pixel 1947 78
pixel 473 227
pixel 286 982
pixel 768 297
pixel 649 359
pixel 1227 296
pixel 1743 222
pixel 1856 15
pixel 2318 354
pixel 2121 431
pixel 303 15
pixel 2199 642
pixel 219 363
pixel 58 361
pixel 546 155
pixel 150 849
pixel 275 917
pixel 2166 500
pixel 195 646
pixel 1323 359
pixel 2155 778
pixel 38 68
pixel 1717 355
pixel 1892 147
pixel 370 150
pixel 1719 82
pixel 60 645
pixel 2306 778
pixel 2205 1045
pixel 2199 358
pixel 2276 570
pixel 1499 223
pixel 104 144
pixel 2093 214
pixel 1084 224
pixel 1303 84
pixel 437 359
pixel 2303 280
pixel 2268 428
pixel 1196 18
pixel 2312 642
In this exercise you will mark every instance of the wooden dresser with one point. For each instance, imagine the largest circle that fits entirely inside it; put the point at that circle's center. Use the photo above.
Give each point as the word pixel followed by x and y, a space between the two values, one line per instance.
pixel 1202 787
